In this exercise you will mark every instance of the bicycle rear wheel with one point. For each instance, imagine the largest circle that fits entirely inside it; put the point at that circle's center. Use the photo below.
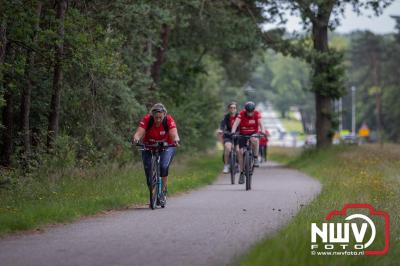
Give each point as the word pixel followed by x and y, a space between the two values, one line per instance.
pixel 247 171
pixel 153 183
pixel 232 164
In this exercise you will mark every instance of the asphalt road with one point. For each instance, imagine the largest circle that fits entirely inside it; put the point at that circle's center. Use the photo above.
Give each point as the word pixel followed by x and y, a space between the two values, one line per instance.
pixel 210 226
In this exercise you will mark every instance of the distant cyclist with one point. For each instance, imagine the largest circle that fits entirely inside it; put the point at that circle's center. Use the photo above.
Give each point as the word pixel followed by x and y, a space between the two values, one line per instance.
pixel 155 127
pixel 224 129
pixel 264 145
pixel 249 123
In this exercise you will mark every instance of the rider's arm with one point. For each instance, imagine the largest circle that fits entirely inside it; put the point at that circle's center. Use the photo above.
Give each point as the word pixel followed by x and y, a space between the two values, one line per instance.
pixel 222 127
pixel 138 134
pixel 260 125
pixel 221 131
pixel 235 125
pixel 173 132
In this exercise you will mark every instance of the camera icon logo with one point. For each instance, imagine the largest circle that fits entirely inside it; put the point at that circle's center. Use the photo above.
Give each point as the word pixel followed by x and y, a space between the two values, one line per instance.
pixel 336 237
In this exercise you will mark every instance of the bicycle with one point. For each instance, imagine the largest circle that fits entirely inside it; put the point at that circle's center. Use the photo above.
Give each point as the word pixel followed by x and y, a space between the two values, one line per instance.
pixel 233 163
pixel 155 182
pixel 248 159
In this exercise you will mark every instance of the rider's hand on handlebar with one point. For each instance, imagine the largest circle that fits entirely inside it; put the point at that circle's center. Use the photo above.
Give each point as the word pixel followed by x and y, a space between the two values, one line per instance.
pixel 177 143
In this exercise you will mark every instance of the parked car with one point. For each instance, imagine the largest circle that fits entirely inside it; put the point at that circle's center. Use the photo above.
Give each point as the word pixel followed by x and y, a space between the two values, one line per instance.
pixel 349 139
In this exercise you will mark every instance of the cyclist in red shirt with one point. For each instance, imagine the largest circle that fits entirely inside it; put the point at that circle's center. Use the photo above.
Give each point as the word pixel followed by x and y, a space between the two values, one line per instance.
pixel 249 122
pixel 155 127
pixel 263 145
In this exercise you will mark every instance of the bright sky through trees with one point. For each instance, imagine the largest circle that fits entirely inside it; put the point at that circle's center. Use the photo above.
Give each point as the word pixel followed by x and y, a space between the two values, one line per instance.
pixel 351 22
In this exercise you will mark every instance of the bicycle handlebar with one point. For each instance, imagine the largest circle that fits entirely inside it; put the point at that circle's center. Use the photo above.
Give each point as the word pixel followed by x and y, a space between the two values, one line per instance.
pixel 158 145
pixel 255 135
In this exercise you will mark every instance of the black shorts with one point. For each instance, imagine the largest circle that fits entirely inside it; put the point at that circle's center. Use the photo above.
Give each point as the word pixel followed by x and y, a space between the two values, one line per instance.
pixel 229 138
pixel 242 141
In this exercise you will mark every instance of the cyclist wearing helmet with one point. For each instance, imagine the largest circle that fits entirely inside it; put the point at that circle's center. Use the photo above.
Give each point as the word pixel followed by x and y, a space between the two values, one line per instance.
pixel 248 122
pixel 154 127
pixel 226 126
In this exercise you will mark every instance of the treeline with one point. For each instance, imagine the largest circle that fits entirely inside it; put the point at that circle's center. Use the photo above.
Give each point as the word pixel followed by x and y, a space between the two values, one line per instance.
pixel 375 74
pixel 371 62
pixel 76 76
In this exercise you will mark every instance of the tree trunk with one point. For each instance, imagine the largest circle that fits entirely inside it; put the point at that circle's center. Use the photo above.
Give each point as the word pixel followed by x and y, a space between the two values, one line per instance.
pixel 8 115
pixel 160 54
pixel 26 93
pixel 306 121
pixel 378 95
pixel 3 41
pixel 323 105
pixel 54 116
pixel 379 117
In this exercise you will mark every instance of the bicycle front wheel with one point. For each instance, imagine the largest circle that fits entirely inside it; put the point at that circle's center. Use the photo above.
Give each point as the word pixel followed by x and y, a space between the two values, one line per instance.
pixel 247 171
pixel 153 183
pixel 232 164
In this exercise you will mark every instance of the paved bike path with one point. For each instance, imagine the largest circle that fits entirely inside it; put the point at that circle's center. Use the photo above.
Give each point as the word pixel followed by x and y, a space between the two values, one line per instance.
pixel 209 226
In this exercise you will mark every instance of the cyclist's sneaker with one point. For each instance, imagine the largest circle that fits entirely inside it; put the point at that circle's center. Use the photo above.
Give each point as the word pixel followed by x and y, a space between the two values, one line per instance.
pixel 226 168
pixel 256 162
pixel 241 178
pixel 162 199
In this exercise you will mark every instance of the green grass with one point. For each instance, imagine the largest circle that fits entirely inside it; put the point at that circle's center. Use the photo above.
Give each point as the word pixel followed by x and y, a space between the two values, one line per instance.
pixel 365 174
pixel 33 201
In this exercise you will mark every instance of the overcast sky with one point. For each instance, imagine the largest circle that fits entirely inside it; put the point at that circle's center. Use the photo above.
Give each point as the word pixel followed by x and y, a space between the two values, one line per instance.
pixel 382 24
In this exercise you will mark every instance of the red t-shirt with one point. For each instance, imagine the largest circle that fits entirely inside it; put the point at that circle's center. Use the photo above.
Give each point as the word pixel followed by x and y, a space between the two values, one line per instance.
pixel 156 133
pixel 248 125
pixel 264 139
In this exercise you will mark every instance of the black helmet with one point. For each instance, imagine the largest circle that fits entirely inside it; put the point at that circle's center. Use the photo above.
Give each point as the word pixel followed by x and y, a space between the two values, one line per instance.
pixel 250 106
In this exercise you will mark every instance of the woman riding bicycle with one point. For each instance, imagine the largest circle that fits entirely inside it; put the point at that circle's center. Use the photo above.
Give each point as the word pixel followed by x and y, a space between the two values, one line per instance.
pixel 249 123
pixel 157 126
pixel 226 126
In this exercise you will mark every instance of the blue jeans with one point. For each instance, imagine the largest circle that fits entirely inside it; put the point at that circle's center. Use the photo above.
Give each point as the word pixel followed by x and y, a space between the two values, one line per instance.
pixel 165 160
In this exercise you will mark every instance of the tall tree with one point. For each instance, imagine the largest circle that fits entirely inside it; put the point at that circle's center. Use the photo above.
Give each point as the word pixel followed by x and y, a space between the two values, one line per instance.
pixel 54 115
pixel 320 16
pixel 367 55
pixel 27 90
pixel 3 40
pixel 8 111
pixel 160 54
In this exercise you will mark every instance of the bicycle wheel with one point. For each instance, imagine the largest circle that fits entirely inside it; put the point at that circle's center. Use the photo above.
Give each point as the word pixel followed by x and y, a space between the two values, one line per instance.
pixel 164 202
pixel 232 164
pixel 247 171
pixel 265 153
pixel 153 183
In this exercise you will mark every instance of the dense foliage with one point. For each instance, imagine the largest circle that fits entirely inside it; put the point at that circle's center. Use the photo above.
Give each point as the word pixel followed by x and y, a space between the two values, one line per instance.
pixel 76 76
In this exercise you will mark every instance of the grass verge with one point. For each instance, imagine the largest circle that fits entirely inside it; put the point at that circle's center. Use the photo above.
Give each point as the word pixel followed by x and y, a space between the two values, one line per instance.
pixel 365 174
pixel 33 201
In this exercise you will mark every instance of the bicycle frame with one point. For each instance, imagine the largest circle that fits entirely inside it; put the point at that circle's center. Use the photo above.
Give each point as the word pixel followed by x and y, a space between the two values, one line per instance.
pixel 156 150
pixel 248 161
pixel 233 159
